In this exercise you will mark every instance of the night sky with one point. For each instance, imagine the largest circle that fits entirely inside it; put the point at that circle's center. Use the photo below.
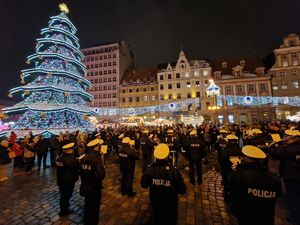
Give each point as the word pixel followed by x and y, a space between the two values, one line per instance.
pixel 155 29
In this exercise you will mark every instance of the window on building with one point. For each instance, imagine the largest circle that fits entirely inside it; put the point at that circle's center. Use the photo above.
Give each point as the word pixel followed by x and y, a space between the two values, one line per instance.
pixel 153 98
pixel 123 91
pixel 205 73
pixel 231 118
pixel 109 96
pixel 114 79
pixel 108 87
pixel 294 54
pixel 275 87
pixel 238 73
pixel 187 74
pixel 137 90
pixel 295 62
pixel 178 85
pixel 189 95
pixel 251 88
pixel 137 99
pixel 145 98
pixel 239 88
pixel 114 95
pixel 219 102
pixel 295 84
pixel 188 84
pixel 284 86
pixel 152 88
pixel 144 89
pixel 123 99
pixel 197 83
pixel 262 87
pixel 169 86
pixel 283 56
pixel 130 90
pixel 178 95
pixel 285 63
pixel 92 73
pixel 294 72
pixel 161 87
pixel 170 96
pixel 130 99
pixel 109 64
pixel 228 89
pixel 161 77
pixel 104 96
pixel 169 76
pixel 104 104
pixel 161 97
pixel 287 114
pixel 177 75
pixel 100 88
pixel 114 103
pixel 198 94
pixel 229 102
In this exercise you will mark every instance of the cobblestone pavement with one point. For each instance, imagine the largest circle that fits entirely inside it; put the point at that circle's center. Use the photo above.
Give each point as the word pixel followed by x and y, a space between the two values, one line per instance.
pixel 33 199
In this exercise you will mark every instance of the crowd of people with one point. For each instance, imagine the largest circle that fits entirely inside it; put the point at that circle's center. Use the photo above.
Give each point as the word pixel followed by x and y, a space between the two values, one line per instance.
pixel 244 152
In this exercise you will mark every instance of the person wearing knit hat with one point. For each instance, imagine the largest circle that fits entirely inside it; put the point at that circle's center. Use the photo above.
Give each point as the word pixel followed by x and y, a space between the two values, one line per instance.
pixel 67 173
pixel 127 158
pixel 92 173
pixel 165 183
pixel 253 190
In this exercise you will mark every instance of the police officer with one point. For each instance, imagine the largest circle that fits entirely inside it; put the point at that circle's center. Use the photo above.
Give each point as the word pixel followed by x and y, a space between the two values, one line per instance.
pixel 147 149
pixel 195 153
pixel 256 138
pixel 253 190
pixel 67 175
pixel 92 174
pixel 228 158
pixel 173 145
pixel 165 183
pixel 127 156
pixel 289 156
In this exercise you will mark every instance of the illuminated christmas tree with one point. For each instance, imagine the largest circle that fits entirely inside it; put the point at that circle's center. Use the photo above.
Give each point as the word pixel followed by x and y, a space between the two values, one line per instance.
pixel 53 91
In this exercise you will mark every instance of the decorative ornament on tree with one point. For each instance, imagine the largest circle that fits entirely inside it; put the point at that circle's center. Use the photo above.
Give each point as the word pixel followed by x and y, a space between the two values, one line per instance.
pixel 49 75
pixel 85 117
pixel 43 114
pixel 27 62
pixel 10 95
pixel 26 92
pixel 40 57
pixel 64 8
pixel 248 100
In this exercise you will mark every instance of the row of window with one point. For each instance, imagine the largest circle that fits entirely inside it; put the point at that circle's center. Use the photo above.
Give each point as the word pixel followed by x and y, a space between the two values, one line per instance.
pixel 100 57
pixel 178 75
pixel 179 96
pixel 284 73
pixel 293 54
pixel 284 85
pixel 130 90
pixel 139 99
pixel 100 50
pixel 100 72
pixel 178 85
pixel 104 104
pixel 104 80
pixel 104 96
pixel 99 65
pixel 240 88
pixel 103 88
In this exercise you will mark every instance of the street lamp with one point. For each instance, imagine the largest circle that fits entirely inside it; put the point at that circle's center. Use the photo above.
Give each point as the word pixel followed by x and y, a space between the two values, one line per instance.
pixel 213 91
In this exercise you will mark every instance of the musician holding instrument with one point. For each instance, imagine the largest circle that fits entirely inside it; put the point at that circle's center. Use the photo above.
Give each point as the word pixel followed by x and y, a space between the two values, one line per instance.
pixel 287 151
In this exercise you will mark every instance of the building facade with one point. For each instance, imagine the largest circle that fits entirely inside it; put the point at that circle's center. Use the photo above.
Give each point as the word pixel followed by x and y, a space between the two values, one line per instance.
pixel 286 74
pixel 106 65
pixel 241 77
pixel 138 88
pixel 185 79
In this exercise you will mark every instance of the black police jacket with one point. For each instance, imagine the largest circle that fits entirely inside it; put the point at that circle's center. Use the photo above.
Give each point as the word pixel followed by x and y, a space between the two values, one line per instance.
pixel 92 173
pixel 173 143
pixel 127 157
pixel 289 156
pixel 67 169
pixel 195 149
pixel 146 146
pixel 253 192
pixel 165 183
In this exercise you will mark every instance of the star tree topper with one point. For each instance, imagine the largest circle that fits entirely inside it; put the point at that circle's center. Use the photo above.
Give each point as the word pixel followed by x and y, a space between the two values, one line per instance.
pixel 64 8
